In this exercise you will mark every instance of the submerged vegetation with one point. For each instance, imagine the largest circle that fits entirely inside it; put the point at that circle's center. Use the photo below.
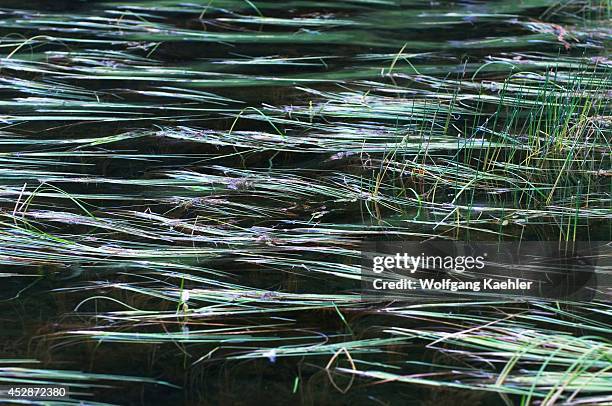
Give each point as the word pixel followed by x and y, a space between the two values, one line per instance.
pixel 185 186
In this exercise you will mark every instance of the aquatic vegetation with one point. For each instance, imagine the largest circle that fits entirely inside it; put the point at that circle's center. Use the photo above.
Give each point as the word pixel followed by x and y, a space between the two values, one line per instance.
pixel 80 384
pixel 188 185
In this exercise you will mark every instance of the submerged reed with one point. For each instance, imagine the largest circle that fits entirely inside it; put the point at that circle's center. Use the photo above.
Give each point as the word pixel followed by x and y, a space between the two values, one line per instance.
pixel 196 180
